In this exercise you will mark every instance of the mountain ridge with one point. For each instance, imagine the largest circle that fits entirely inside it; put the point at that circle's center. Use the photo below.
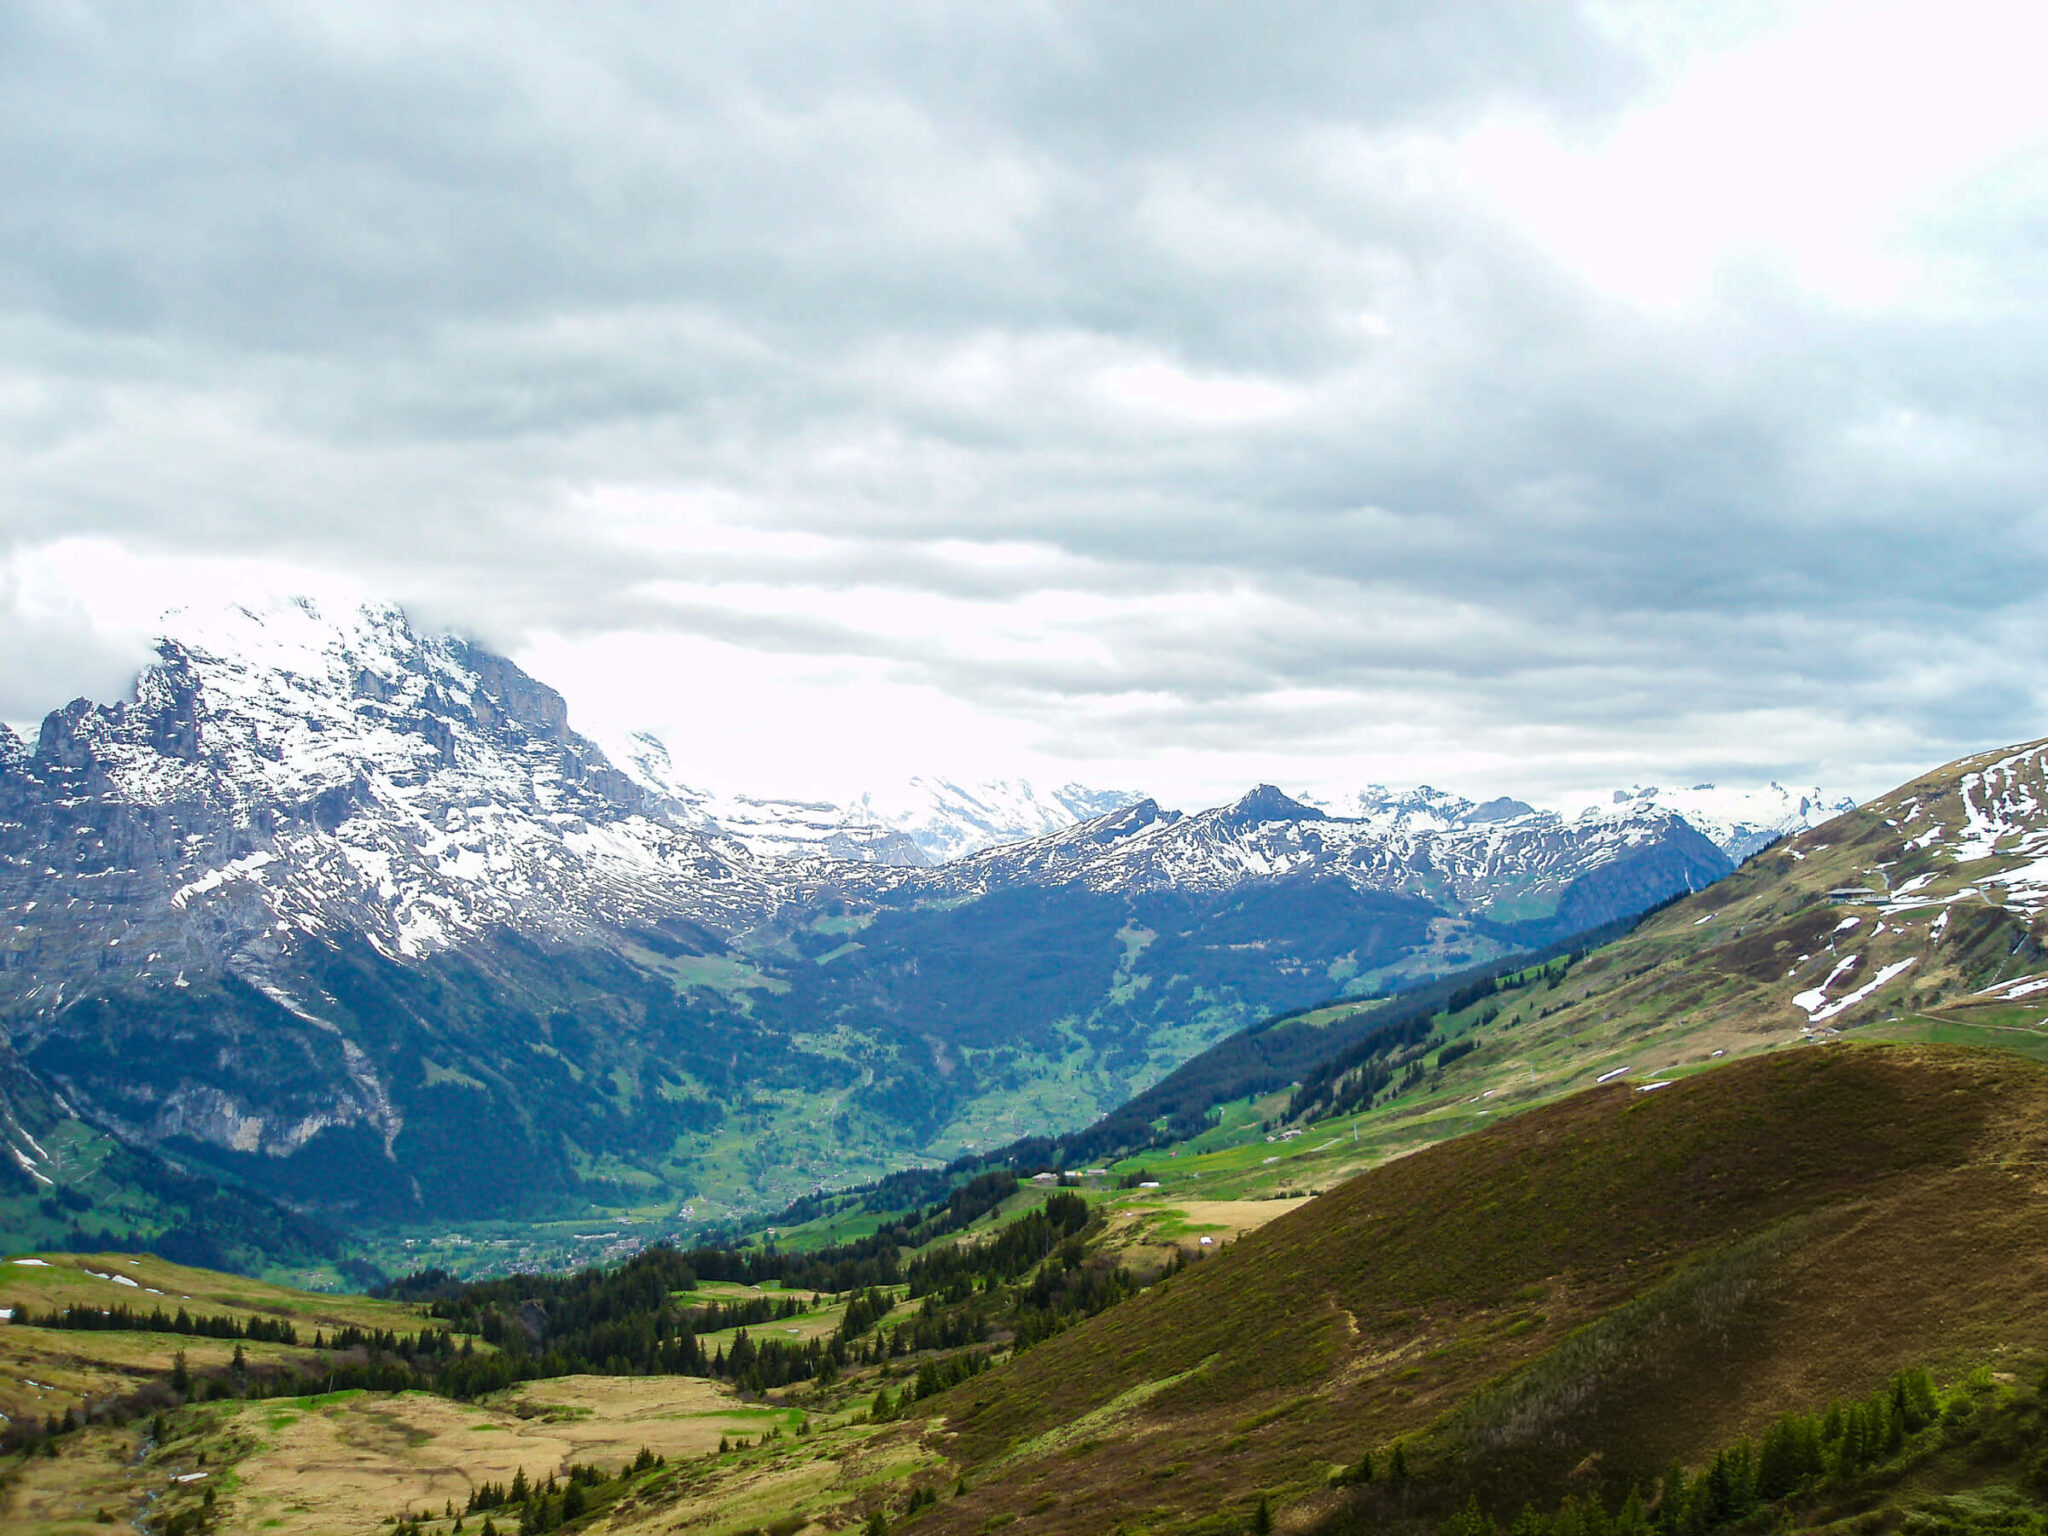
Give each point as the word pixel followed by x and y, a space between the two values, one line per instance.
pixel 375 887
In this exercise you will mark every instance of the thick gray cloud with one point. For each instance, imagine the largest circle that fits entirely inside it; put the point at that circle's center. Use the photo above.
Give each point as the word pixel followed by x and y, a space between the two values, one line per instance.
pixel 1204 339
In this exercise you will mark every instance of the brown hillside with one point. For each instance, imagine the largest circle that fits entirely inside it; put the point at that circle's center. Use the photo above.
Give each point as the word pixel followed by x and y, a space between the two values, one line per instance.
pixel 1622 1276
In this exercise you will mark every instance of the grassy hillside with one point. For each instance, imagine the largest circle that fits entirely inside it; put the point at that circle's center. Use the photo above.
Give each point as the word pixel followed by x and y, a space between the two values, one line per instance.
pixel 1913 918
pixel 1664 1270
pixel 1564 1302
pixel 46 1371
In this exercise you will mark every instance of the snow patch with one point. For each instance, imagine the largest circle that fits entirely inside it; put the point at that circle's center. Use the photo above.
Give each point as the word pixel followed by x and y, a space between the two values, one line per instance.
pixel 1819 1009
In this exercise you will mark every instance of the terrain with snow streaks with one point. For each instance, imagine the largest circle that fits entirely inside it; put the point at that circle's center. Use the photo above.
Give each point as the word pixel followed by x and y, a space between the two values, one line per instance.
pixel 351 915
pixel 284 774
pixel 926 820
pixel 1921 915
pixel 1523 866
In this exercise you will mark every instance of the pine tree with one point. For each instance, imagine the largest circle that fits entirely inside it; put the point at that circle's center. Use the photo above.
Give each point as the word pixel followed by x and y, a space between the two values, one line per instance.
pixel 1672 1500
pixel 1915 1391
pixel 1262 1518
pixel 1470 1521
pixel 181 1374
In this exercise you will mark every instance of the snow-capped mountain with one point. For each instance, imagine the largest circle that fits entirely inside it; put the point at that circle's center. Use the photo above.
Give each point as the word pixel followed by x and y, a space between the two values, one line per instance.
pixel 1420 809
pixel 352 913
pixel 1741 822
pixel 283 772
pixel 1514 863
pixel 949 821
pixel 924 820
pixel 771 829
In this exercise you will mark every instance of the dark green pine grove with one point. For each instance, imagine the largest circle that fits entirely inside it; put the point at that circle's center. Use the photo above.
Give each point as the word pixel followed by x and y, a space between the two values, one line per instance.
pixel 1029 1280
pixel 1853 1457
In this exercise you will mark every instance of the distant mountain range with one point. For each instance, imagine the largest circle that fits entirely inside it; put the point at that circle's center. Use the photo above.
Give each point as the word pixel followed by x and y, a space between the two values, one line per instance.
pixel 927 821
pixel 352 915
pixel 922 822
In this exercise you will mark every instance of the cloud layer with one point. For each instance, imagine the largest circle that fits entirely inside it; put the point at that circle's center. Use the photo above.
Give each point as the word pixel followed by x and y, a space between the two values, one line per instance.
pixel 1524 399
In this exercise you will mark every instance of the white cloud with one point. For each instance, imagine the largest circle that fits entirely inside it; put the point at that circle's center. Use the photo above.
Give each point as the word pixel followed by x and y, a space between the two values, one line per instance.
pixel 1815 147
pixel 1520 400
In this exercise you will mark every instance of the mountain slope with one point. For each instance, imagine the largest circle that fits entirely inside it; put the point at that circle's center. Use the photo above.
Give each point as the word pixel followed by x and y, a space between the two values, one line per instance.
pixel 1664 1271
pixel 352 915
pixel 1934 936
pixel 1920 911
pixel 1532 867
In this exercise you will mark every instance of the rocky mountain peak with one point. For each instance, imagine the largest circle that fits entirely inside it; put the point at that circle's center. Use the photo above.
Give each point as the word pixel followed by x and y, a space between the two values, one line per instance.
pixel 1266 803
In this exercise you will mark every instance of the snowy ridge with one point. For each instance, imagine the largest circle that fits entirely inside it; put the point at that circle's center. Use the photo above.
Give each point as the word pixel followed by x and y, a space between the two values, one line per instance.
pixel 282 773
pixel 1515 867
pixel 768 828
pixel 1422 809
pixel 1742 822
pixel 924 820
pixel 950 821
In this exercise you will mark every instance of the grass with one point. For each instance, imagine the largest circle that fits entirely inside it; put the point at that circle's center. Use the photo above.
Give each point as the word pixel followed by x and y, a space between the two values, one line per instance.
pixel 346 1461
pixel 1624 1277
pixel 1771 1192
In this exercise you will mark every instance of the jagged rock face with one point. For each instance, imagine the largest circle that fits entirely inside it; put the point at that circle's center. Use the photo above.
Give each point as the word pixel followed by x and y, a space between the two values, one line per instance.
pixel 282 774
pixel 280 780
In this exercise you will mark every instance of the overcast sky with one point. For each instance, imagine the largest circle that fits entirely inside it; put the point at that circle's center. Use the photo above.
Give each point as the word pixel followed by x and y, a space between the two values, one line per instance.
pixel 1505 396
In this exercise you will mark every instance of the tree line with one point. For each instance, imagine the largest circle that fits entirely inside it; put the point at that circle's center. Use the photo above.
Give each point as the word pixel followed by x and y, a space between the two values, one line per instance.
pixel 125 1319
pixel 1754 1482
